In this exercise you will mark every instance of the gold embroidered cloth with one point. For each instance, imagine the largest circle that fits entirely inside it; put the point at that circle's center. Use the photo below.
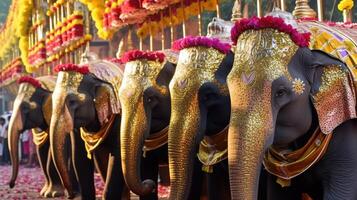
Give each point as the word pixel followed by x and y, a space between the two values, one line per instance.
pixel 93 140
pixel 339 41
pixel 111 73
pixel 287 165
pixel 213 149
pixel 156 140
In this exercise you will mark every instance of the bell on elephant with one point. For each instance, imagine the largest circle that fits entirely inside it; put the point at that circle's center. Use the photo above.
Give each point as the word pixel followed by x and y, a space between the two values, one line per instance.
pixel 32 110
pixel 293 110
pixel 86 105
pixel 145 101
pixel 199 117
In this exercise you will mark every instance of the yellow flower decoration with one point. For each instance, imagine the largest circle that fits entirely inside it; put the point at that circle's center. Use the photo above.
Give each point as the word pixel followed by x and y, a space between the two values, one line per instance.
pixel 298 86
pixel 345 5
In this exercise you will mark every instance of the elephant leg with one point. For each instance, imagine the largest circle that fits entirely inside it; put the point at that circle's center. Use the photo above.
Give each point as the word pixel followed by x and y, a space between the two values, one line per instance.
pixel 42 153
pixel 218 184
pixel 114 184
pixel 83 168
pixel 54 188
pixel 150 170
pixel 101 159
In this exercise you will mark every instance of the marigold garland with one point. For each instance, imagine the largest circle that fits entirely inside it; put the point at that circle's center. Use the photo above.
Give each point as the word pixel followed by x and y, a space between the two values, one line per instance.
pixel 10 71
pixel 97 9
pixel 154 23
pixel 345 5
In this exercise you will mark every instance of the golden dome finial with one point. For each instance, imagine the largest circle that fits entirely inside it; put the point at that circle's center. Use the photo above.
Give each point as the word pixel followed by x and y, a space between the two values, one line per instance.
pixel 303 9
pixel 237 11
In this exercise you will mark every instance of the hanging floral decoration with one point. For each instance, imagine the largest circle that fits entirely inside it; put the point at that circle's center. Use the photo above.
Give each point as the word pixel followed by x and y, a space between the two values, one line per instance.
pixel 67 36
pixel 97 9
pixel 154 23
pixel 7 37
pixel 112 13
pixel 11 71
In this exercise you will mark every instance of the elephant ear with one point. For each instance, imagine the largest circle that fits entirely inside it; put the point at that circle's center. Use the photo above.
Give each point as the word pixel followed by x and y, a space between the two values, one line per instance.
pixel 333 92
pixel 105 104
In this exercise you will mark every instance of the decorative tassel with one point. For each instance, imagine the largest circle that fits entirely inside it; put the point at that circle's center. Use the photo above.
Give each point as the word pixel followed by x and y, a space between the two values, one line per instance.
pixel 207 168
pixel 283 182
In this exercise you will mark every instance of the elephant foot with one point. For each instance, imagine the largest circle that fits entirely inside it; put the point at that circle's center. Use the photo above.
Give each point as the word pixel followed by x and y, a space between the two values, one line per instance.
pixel 54 191
pixel 43 190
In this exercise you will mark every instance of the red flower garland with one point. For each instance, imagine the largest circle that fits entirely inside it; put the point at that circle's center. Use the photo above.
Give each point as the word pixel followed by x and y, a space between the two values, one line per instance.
pixel 255 23
pixel 30 80
pixel 136 54
pixel 190 41
pixel 72 67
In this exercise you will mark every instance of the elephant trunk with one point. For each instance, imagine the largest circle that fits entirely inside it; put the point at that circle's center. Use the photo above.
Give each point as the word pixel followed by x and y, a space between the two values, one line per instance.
pixel 15 126
pixel 134 125
pixel 182 140
pixel 61 125
pixel 250 134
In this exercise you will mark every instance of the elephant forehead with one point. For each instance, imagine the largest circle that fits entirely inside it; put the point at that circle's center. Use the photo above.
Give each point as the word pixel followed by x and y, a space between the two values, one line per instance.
pixel 25 92
pixel 142 73
pixel 263 55
pixel 143 69
pixel 199 62
pixel 69 81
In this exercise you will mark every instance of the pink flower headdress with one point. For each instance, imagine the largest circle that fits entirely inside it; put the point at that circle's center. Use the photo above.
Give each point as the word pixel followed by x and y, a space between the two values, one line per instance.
pixel 255 23
pixel 30 80
pixel 190 41
pixel 72 67
pixel 148 55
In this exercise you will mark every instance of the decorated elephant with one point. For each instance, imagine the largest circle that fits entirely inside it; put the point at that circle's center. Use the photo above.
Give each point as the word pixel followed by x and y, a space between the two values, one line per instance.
pixel 32 110
pixel 145 100
pixel 200 116
pixel 293 109
pixel 86 98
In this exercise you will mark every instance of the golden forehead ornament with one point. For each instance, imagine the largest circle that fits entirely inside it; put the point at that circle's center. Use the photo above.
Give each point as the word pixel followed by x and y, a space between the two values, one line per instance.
pixel 199 64
pixel 263 55
pixel 144 72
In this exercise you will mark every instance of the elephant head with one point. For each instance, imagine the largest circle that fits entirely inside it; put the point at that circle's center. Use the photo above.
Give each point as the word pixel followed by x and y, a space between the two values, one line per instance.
pixel 199 102
pixel 32 109
pixel 84 97
pixel 145 100
pixel 279 88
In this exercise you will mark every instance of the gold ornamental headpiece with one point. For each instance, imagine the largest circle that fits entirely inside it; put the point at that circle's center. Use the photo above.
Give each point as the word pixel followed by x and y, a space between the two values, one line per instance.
pixel 270 22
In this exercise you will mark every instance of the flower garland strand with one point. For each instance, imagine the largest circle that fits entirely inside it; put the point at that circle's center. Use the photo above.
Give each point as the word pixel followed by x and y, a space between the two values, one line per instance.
pixel 97 9
pixel 69 67
pixel 191 41
pixel 30 80
pixel 148 55
pixel 255 23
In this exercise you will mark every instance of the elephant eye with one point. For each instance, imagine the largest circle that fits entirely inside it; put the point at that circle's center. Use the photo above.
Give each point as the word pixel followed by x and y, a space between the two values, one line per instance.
pixel 281 92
